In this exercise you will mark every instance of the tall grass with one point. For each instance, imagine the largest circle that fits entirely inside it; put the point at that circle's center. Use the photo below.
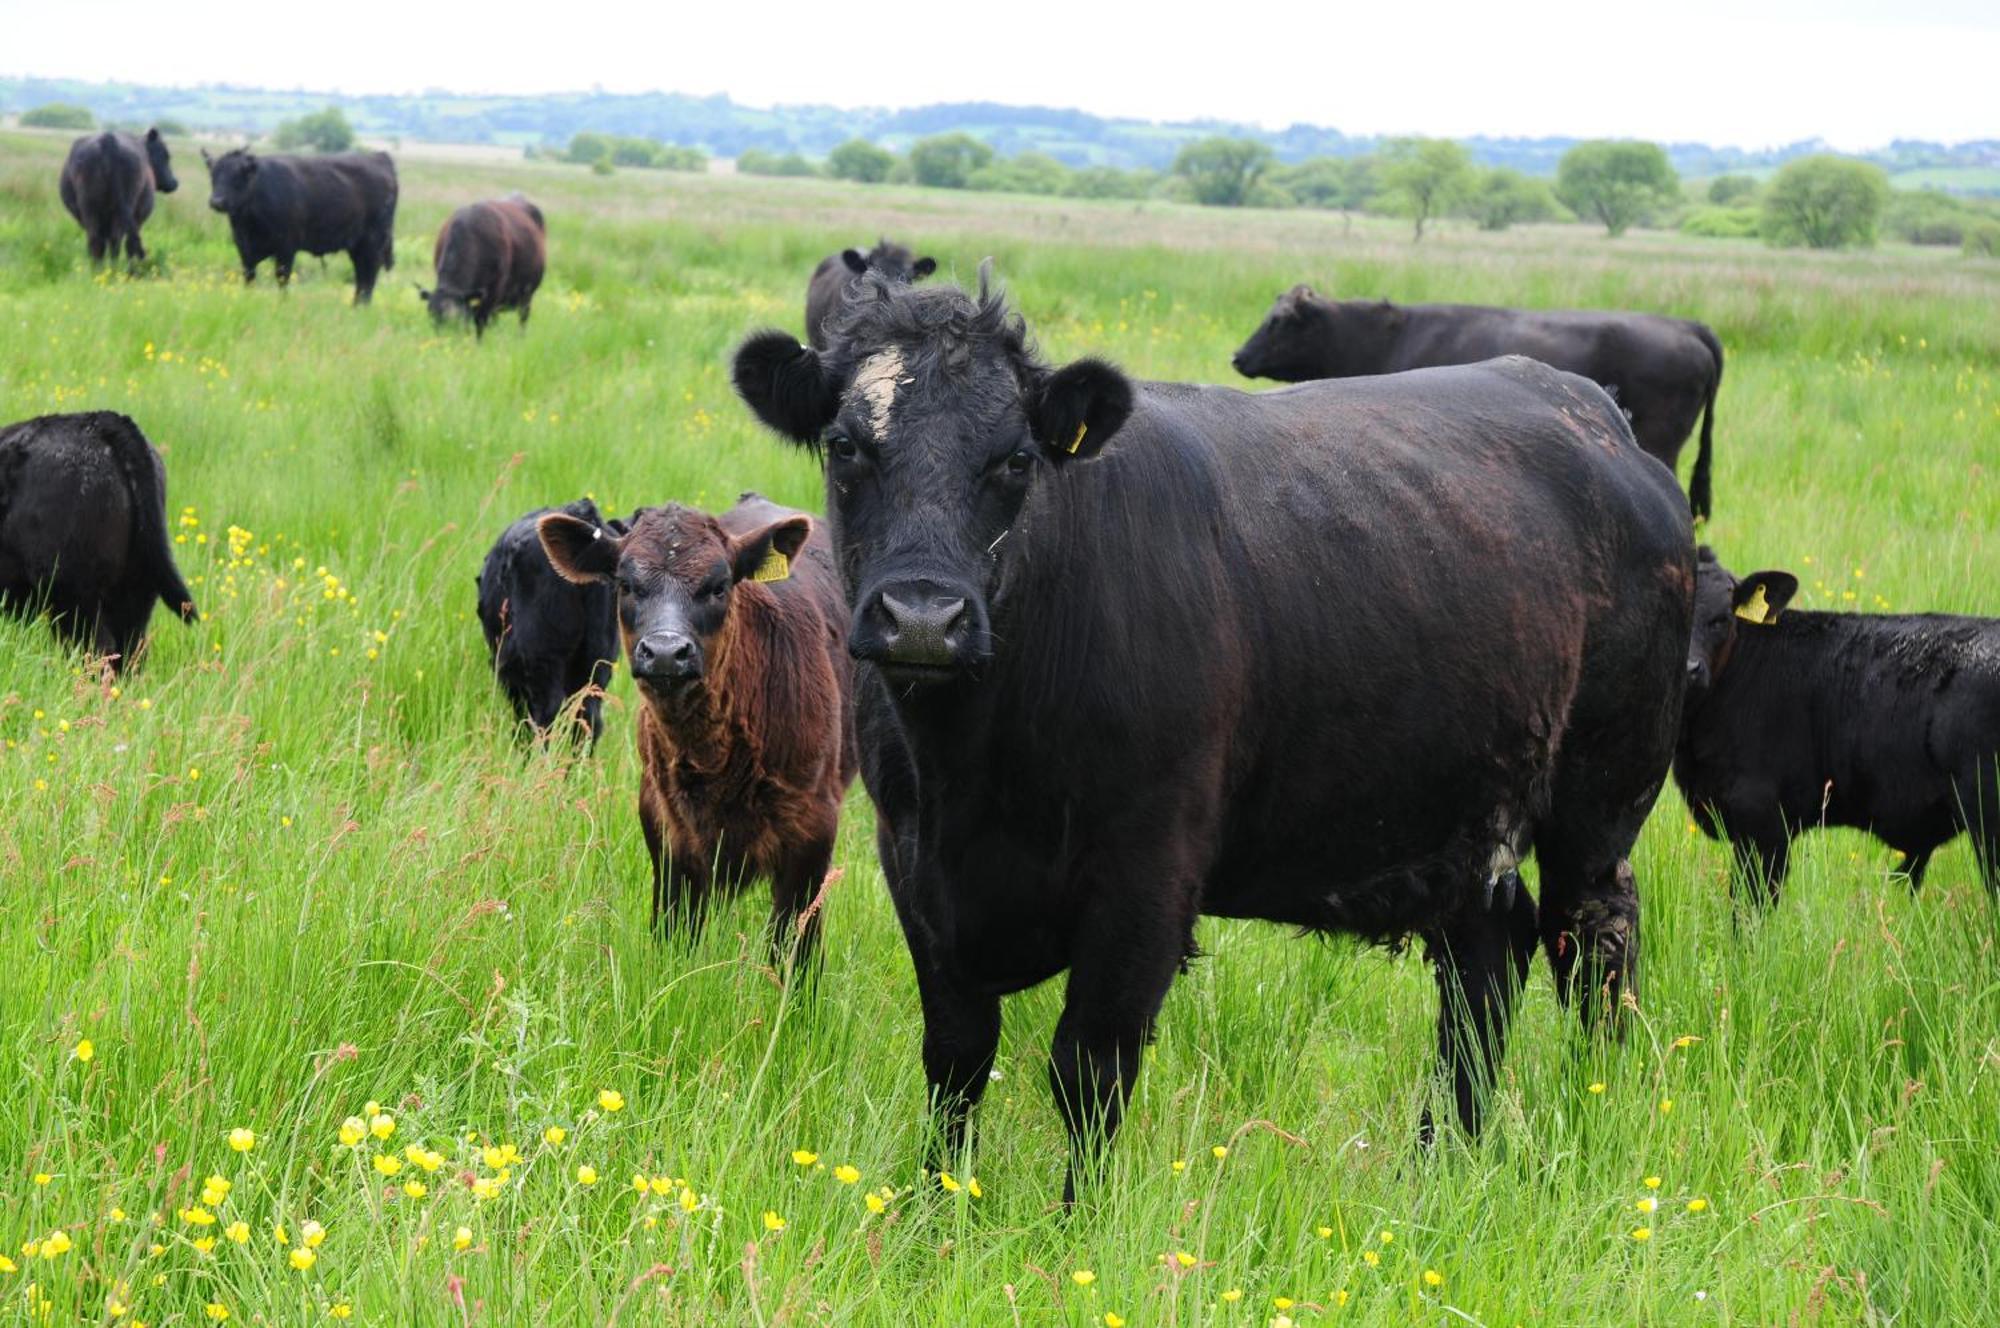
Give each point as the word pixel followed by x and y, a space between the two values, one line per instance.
pixel 300 861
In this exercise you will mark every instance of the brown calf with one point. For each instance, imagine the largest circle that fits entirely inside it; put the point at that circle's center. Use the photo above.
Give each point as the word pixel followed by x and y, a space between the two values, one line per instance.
pixel 737 635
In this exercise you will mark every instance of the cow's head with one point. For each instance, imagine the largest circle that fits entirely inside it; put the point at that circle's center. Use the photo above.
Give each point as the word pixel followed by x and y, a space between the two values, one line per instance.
pixel 677 572
pixel 230 178
pixel 533 618
pixel 447 305
pixel 935 422
pixel 162 164
pixel 894 261
pixel 1284 345
pixel 1724 607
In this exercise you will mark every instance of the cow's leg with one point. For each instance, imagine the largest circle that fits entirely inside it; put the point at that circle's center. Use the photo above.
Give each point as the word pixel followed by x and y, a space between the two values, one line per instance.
pixel 99 243
pixel 680 880
pixel 523 311
pixel 1763 849
pixel 961 1034
pixel 794 886
pixel 364 258
pixel 135 252
pixel 1481 960
pixel 1589 915
pixel 1124 962
pixel 1913 866
pixel 282 264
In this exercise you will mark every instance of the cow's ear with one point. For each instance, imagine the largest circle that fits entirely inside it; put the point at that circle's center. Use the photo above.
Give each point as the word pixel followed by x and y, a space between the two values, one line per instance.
pixel 1761 596
pixel 786 385
pixel 207 160
pixel 923 267
pixel 766 555
pixel 579 551
pixel 153 135
pixel 1074 410
pixel 855 262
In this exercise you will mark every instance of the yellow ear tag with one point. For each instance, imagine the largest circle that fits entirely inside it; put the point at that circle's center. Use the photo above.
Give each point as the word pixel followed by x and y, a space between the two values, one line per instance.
pixel 1755 609
pixel 776 567
pixel 1077 441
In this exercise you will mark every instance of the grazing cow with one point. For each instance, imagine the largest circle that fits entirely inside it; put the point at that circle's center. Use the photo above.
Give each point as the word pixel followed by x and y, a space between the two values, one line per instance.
pixel 1336 657
pixel 489 257
pixel 549 639
pixel 1884 722
pixel 837 274
pixel 280 207
pixel 108 184
pixel 1663 371
pixel 83 530
pixel 737 638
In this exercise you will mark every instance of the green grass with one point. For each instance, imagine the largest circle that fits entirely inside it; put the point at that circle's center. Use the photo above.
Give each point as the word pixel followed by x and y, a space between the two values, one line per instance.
pixel 371 890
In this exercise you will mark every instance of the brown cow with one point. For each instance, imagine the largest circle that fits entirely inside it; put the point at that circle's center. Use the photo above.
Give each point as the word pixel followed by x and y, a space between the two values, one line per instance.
pixel 737 636
pixel 489 257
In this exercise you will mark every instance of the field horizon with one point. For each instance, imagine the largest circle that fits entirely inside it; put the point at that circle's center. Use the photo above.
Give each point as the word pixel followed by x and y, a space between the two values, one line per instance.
pixel 300 862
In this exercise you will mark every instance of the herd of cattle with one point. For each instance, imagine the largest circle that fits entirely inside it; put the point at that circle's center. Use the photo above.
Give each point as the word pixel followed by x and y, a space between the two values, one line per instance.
pixel 1109 655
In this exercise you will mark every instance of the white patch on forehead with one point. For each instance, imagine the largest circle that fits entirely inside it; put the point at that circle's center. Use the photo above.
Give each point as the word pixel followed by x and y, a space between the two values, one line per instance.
pixel 876 382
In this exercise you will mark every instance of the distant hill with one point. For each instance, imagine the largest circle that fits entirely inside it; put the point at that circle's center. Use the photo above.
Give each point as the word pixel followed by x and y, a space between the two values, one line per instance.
pixel 720 126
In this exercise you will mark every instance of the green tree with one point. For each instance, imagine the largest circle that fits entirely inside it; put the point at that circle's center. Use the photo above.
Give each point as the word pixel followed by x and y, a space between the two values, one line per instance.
pixel 322 131
pixel 1731 190
pixel 947 161
pixel 1110 182
pixel 1424 177
pixel 1223 172
pixel 1501 197
pixel 1982 240
pixel 861 161
pixel 1617 182
pixel 587 149
pixel 756 161
pixel 1825 202
pixel 1026 173
pixel 58 115
pixel 1337 184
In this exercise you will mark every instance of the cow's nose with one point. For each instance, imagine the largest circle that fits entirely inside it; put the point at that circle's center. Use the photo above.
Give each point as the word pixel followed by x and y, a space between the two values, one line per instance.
pixel 666 657
pixel 924 629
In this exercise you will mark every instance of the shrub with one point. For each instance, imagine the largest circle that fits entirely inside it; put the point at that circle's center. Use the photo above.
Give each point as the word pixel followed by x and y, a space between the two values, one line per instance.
pixel 1028 173
pixel 1618 183
pixel 1731 190
pixel 59 115
pixel 1982 239
pixel 1723 223
pixel 861 161
pixel 1424 178
pixel 756 161
pixel 324 131
pixel 1222 172
pixel 1825 202
pixel 1502 197
pixel 1924 216
pixel 947 161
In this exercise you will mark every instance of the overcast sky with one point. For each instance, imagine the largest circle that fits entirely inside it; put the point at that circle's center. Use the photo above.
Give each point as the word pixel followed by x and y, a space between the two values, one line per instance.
pixel 1752 73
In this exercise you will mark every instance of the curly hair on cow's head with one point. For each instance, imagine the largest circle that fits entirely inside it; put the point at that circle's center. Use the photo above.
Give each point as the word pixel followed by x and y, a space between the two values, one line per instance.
pixel 944 325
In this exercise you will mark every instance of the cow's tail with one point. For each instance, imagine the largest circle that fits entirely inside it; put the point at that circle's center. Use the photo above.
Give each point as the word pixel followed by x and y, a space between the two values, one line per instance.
pixel 146 482
pixel 1698 479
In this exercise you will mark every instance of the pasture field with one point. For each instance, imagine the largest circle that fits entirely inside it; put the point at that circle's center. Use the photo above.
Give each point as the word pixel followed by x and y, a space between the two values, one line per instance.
pixel 299 861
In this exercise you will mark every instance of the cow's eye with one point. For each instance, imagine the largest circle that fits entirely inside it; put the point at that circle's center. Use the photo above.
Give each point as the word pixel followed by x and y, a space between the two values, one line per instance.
pixel 1019 462
pixel 714 592
pixel 840 447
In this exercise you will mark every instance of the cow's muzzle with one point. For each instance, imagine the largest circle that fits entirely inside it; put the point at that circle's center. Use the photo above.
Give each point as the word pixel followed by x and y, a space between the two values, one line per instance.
pixel 920 631
pixel 667 660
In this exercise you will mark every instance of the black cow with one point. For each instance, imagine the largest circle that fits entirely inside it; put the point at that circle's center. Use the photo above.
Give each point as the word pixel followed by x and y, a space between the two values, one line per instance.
pixel 108 184
pixel 548 637
pixel 83 530
pixel 1663 371
pixel 1885 722
pixel 837 273
pixel 489 257
pixel 1336 657
pixel 280 207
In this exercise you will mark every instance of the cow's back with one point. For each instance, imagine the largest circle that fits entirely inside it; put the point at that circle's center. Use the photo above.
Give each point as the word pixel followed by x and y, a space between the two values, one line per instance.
pixel 1355 607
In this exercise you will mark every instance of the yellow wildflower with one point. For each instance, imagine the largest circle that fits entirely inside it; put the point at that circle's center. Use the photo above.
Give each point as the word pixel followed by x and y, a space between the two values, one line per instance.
pixel 1387 1237
pixel 242 1140
pixel 972 1187
pixel 1433 1278
pixel 238 1231
pixel 845 1174
pixel 1642 1233
pixel 1651 1182
pixel 1371 1258
pixel 950 1184
pixel 388 1163
pixel 352 1131
pixel 84 1051
pixel 197 1217
pixel 1666 1105
pixel 1697 1205
pixel 640 1184
pixel 803 1157
pixel 772 1222
pixel 1339 1298
pixel 340 1309
pixel 302 1258
pixel 55 1243
pixel 586 1175
pixel 311 1235
pixel 689 1200
pixel 1597 1088
pixel 462 1238
pixel 203 1243
pixel 554 1135
pixel 1282 1302
pixel 416 1189
pixel 1112 1321
pixel 662 1185
pixel 1184 1259
pixel 610 1099
pixel 381 1124
pixel 1324 1233
pixel 216 1310
pixel 116 1215
pixel 1233 1295
pixel 1647 1204
pixel 1083 1277
pixel 1219 1152
pixel 43 1178
pixel 875 1202
pixel 1180 1165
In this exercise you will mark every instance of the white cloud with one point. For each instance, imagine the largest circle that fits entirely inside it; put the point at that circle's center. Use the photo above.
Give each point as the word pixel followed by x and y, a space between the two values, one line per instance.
pixel 1744 73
